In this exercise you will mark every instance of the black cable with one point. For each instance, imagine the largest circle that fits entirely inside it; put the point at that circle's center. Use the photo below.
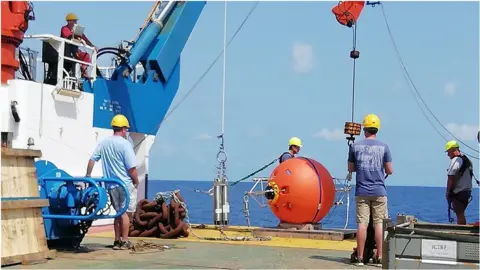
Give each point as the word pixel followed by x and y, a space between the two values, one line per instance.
pixel 24 66
pixel 204 74
pixel 108 50
pixel 354 29
pixel 409 79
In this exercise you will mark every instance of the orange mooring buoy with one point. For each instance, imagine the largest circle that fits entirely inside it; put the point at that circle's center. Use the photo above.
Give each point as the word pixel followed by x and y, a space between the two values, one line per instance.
pixel 303 191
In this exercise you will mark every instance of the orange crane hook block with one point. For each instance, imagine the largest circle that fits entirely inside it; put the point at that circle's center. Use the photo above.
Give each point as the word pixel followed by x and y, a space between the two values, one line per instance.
pixel 15 17
pixel 348 12
pixel 301 191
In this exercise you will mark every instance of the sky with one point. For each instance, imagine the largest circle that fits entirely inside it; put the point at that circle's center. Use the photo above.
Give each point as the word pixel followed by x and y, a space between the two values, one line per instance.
pixel 288 73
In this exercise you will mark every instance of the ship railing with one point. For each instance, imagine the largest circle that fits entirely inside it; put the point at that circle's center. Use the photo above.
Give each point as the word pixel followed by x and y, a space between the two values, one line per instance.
pixel 108 71
pixel 68 84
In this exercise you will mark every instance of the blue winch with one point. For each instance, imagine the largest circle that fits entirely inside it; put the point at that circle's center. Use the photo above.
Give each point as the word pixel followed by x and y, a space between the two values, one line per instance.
pixel 75 202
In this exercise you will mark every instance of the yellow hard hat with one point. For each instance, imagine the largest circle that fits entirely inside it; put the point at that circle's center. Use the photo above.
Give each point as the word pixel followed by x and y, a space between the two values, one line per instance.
pixel 451 144
pixel 120 120
pixel 295 141
pixel 71 17
pixel 371 121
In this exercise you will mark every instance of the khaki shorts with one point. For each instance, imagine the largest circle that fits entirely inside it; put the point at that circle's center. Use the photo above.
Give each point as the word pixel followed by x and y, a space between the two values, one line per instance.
pixel 117 196
pixel 378 205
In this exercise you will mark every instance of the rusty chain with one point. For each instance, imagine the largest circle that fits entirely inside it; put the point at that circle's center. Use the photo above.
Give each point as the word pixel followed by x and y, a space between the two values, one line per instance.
pixel 223 235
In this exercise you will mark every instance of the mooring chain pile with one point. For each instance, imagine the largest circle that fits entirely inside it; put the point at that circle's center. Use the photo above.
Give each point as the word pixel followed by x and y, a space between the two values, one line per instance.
pixel 175 196
pixel 160 218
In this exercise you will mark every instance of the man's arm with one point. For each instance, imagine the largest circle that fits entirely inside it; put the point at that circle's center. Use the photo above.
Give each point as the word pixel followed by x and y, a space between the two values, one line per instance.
pixel 94 158
pixel 284 157
pixel 455 165
pixel 134 175
pixel 131 164
pixel 351 160
pixel 387 158
pixel 90 165
pixel 89 43
pixel 66 33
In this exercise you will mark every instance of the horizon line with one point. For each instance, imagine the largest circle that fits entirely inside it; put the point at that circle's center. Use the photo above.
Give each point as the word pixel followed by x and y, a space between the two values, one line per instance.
pixel 353 184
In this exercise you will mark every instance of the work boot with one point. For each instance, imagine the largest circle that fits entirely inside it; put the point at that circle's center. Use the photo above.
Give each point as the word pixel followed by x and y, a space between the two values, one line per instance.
pixel 359 261
pixel 117 245
pixel 126 245
pixel 377 260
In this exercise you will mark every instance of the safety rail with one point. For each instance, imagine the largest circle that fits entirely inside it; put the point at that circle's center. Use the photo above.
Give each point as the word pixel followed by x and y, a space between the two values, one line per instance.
pixel 102 196
pixel 107 71
pixel 66 83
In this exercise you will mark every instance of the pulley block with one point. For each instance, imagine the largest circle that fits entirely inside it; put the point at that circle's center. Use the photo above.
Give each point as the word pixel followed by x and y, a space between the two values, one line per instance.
pixel 354 54
pixel 352 129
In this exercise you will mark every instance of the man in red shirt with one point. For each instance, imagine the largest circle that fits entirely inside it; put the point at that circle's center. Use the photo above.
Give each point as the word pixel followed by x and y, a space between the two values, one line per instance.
pixel 66 32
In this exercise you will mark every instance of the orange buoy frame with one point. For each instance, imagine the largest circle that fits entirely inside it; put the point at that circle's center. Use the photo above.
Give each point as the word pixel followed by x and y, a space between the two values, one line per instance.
pixel 300 191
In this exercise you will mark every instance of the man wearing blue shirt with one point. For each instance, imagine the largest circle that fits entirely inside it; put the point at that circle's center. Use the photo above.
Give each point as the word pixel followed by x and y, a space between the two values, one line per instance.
pixel 370 159
pixel 118 162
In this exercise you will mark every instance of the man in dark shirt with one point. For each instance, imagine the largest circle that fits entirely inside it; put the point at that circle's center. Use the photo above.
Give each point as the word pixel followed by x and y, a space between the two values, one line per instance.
pixel 66 32
pixel 459 181
pixel 294 145
pixel 370 159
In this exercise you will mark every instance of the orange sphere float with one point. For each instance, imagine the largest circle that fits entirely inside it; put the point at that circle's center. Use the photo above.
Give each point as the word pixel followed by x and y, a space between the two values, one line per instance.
pixel 301 191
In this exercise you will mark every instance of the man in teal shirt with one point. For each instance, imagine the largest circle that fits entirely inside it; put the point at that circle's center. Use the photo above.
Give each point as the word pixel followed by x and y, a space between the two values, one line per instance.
pixel 118 162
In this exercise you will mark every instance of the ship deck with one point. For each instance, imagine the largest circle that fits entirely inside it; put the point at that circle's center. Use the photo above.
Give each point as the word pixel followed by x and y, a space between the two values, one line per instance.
pixel 192 252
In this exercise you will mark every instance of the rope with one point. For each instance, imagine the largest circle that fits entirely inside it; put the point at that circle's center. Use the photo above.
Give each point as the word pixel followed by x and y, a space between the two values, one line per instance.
pixel 203 75
pixel 222 154
pixel 411 84
pixel 224 66
pixel 253 173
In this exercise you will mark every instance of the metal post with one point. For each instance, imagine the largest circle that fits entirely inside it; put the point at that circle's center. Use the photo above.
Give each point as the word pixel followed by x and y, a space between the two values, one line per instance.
pixel 225 203
pixel 217 202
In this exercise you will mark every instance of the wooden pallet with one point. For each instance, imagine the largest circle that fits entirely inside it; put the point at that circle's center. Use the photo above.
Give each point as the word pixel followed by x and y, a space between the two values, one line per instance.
pixel 23 232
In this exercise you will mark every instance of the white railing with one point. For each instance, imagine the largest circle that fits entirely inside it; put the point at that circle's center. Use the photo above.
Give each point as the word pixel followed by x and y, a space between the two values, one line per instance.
pixel 108 71
pixel 58 44
pixel 64 80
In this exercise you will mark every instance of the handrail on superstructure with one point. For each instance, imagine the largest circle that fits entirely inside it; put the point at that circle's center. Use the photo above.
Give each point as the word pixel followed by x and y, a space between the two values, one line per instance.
pixel 108 70
pixel 58 44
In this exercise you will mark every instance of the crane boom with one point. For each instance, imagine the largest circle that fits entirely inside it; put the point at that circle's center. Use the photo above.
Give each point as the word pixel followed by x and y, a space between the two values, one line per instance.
pixel 158 48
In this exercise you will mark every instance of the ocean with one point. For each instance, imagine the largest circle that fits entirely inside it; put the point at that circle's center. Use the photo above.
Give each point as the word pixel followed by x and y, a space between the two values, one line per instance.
pixel 425 203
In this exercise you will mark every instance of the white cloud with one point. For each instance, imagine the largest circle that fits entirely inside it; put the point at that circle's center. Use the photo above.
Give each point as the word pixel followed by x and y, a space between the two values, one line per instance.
pixel 330 134
pixel 450 88
pixel 463 131
pixel 302 54
pixel 203 136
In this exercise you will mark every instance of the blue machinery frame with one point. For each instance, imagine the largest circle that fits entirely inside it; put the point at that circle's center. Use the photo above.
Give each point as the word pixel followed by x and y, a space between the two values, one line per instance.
pixel 158 49
pixel 67 214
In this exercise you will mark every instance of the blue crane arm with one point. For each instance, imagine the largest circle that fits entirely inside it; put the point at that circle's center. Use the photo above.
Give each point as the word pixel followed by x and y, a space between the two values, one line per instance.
pixel 158 48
